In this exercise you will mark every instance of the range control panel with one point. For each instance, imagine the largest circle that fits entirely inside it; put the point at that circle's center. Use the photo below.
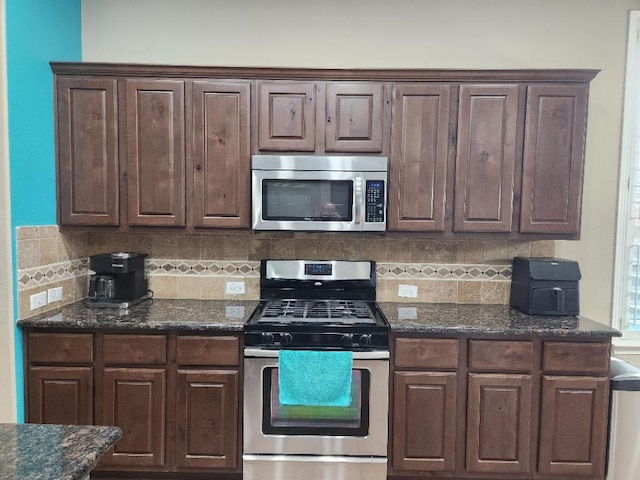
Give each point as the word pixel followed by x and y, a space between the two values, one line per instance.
pixel 374 211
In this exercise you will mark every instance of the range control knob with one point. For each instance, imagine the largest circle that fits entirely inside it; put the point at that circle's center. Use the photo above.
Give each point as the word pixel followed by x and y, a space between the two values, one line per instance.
pixel 267 338
pixel 346 339
pixel 286 338
pixel 365 340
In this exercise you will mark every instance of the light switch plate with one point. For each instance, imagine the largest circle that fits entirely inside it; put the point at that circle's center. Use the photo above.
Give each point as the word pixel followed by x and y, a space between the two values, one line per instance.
pixel 408 291
pixel 38 300
pixel 54 294
pixel 235 288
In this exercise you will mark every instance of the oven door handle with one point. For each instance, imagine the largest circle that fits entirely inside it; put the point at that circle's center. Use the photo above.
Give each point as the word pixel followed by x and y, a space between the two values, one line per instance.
pixel 368 355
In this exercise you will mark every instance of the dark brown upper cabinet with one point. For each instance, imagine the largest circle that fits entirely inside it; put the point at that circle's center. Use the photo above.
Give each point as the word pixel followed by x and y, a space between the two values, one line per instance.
pixel 287 116
pixel 419 153
pixel 553 161
pixel 319 117
pixel 87 151
pixel 471 152
pixel 154 138
pixel 486 157
pixel 354 117
pixel 220 141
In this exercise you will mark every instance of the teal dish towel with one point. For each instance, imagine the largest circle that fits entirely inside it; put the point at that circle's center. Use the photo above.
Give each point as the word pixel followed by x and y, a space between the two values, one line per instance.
pixel 315 378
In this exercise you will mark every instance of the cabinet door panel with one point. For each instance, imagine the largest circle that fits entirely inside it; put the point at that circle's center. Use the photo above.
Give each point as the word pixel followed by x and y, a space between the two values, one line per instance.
pixel 207 419
pixel 155 152
pixel 61 395
pixel 354 117
pixel 553 158
pixel 573 428
pixel 221 157
pixel 486 156
pixel 499 423
pixel 418 162
pixel 287 116
pixel 87 143
pixel 134 399
pixel 424 421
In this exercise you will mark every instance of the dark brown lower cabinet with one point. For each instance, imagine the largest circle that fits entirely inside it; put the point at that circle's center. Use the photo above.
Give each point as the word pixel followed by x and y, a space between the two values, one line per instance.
pixel 175 397
pixel 424 421
pixel 134 399
pixel 61 395
pixel 507 408
pixel 573 429
pixel 498 423
pixel 206 418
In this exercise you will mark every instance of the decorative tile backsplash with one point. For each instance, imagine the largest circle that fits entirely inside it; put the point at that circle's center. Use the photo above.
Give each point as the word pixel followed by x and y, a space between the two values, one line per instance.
pixel 198 266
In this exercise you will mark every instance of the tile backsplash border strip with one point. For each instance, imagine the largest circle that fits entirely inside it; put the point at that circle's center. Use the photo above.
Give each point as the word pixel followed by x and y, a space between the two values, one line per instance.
pixel 52 273
pixel 49 274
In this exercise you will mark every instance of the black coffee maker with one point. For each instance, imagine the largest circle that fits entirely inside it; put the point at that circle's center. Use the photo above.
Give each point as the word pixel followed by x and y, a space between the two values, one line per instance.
pixel 119 280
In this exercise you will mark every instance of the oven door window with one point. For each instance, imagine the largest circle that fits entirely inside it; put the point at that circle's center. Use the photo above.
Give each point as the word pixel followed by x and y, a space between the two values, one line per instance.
pixel 307 200
pixel 352 420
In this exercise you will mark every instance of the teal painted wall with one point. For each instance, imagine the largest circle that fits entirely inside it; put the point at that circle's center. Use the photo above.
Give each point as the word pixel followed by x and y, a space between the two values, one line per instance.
pixel 37 31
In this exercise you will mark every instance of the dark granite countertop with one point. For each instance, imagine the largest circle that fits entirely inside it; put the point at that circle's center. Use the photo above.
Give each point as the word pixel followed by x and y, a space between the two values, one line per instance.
pixel 155 314
pixel 230 315
pixel 452 319
pixel 52 452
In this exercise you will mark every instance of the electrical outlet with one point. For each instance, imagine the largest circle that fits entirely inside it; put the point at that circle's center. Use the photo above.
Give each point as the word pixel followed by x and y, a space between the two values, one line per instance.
pixel 408 291
pixel 38 300
pixel 234 311
pixel 234 288
pixel 54 295
pixel 407 313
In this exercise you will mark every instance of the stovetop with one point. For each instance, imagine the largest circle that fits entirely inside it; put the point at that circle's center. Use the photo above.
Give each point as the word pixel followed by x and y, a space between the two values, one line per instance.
pixel 332 312
pixel 319 305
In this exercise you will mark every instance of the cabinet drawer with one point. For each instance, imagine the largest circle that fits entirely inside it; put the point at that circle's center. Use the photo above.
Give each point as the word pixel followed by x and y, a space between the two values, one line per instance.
pixel 426 352
pixel 60 347
pixel 125 349
pixel 207 351
pixel 576 357
pixel 507 356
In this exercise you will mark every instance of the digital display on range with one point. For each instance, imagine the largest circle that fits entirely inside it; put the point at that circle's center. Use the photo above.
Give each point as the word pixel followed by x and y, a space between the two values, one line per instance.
pixel 318 269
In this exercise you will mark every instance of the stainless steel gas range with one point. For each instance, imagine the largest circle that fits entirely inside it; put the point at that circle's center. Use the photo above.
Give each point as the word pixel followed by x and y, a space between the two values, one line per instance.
pixel 316 308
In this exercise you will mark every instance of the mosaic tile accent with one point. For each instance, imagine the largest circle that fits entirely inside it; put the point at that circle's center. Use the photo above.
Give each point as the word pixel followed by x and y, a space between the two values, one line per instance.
pixel 160 266
pixel 437 271
pixel 52 273
pixel 29 278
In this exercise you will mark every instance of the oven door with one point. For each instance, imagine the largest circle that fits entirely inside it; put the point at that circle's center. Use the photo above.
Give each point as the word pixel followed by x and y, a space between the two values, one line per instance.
pixel 359 429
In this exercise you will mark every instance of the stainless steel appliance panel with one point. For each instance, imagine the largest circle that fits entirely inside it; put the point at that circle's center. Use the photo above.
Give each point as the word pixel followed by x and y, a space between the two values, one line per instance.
pixel 304 188
pixel 284 467
pixel 257 442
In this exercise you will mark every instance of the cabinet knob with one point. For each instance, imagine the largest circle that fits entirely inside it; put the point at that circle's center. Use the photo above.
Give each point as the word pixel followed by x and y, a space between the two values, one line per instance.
pixel 199 168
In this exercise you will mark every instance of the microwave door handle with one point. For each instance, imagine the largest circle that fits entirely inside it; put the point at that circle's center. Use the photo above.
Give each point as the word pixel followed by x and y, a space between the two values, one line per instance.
pixel 359 200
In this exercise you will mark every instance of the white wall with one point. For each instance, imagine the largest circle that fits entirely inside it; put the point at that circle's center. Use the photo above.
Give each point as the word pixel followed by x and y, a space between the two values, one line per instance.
pixel 7 371
pixel 405 34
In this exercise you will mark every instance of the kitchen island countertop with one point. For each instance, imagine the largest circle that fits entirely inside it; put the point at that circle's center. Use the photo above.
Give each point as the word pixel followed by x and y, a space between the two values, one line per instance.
pixel 230 315
pixel 52 452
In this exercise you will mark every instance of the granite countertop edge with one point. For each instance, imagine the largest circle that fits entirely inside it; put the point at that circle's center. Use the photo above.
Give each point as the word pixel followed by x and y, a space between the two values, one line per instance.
pixel 70 452
pixel 230 316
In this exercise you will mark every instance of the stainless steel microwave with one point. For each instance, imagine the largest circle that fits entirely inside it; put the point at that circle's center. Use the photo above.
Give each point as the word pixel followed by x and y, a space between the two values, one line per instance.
pixel 319 193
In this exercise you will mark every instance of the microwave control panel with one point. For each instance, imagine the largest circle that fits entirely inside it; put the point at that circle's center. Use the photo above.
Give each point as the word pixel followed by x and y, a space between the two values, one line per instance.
pixel 374 211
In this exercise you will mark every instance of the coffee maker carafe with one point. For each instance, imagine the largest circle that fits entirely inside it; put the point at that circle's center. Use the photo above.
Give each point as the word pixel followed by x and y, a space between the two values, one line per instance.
pixel 119 280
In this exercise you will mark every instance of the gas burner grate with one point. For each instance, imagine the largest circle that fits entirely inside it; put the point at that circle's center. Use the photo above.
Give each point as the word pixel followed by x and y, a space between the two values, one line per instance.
pixel 317 311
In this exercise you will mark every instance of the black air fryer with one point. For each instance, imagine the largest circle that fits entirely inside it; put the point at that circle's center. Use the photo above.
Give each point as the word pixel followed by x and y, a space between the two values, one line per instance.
pixel 545 286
